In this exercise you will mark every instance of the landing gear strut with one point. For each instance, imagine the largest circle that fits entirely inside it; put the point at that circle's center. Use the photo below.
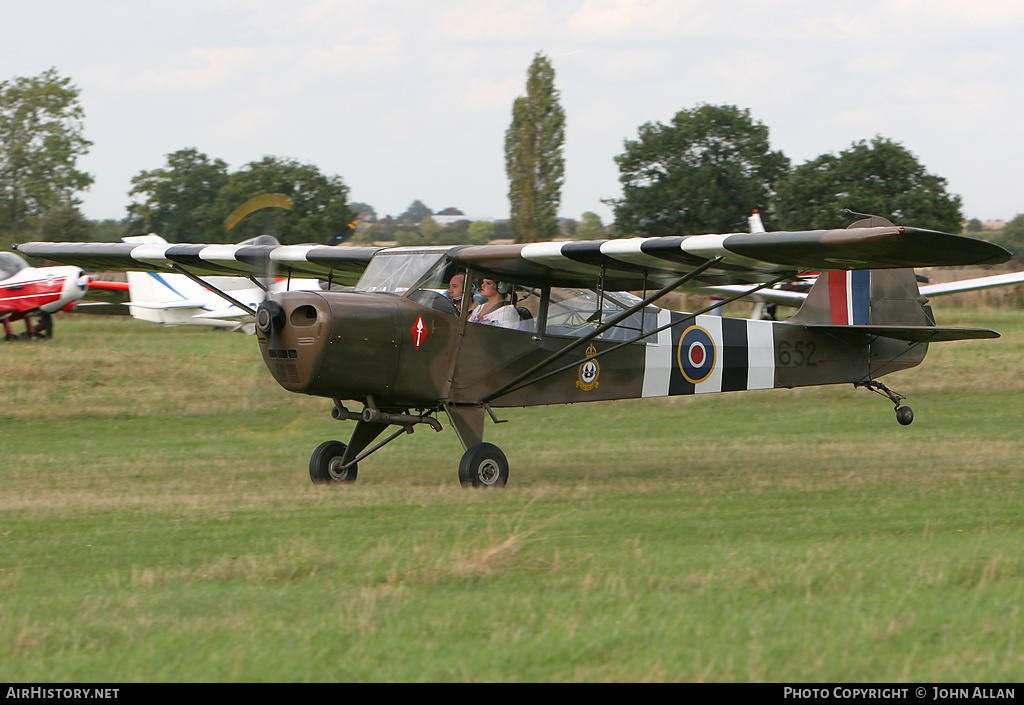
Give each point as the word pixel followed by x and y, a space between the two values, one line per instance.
pixel 904 414
pixel 41 328
pixel 483 464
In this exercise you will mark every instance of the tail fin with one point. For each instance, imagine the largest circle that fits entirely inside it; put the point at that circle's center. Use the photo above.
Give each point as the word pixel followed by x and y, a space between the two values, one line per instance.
pixel 171 299
pixel 882 308
pixel 880 302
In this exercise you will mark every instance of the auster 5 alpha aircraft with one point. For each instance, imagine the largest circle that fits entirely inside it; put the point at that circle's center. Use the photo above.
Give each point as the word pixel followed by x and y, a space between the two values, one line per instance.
pixel 399 347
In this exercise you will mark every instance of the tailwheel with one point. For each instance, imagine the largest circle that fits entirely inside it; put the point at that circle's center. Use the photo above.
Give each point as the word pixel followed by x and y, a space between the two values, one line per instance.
pixel 905 415
pixel 325 465
pixel 483 465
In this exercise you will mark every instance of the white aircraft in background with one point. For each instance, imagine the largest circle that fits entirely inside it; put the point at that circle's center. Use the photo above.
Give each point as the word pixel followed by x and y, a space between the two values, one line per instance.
pixel 176 300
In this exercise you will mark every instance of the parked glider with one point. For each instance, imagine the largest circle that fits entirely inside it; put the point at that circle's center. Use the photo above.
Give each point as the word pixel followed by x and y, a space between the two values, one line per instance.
pixel 400 348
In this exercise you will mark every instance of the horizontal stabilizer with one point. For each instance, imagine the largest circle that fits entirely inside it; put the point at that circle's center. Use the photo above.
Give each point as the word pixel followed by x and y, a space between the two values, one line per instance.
pixel 233 312
pixel 165 305
pixel 103 308
pixel 914 334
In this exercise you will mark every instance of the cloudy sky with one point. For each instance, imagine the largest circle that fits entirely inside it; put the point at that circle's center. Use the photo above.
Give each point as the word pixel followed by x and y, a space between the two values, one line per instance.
pixel 410 99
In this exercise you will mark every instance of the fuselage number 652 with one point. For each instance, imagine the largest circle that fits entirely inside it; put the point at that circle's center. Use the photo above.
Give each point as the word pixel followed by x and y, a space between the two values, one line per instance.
pixel 799 353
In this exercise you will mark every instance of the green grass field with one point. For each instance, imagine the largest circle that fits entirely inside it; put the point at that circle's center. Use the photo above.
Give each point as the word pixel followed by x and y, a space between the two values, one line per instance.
pixel 157 523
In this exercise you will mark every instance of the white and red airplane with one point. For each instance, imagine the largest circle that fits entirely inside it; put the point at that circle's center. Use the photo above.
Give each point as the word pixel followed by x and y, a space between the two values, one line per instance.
pixel 31 294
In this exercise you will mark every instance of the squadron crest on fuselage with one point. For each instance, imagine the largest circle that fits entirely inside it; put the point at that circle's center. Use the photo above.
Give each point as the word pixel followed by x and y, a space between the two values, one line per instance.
pixel 589 371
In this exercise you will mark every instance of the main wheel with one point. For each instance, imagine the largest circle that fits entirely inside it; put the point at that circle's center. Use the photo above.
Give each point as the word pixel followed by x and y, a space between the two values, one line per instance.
pixel 905 415
pixel 483 465
pixel 44 329
pixel 325 464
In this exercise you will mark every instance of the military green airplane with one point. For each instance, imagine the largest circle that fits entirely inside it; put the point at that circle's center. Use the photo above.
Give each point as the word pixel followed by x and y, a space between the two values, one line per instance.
pixel 564 322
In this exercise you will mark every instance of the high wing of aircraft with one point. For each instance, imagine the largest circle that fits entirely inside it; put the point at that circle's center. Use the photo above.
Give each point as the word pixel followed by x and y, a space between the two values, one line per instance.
pixel 31 294
pixel 585 327
pixel 174 299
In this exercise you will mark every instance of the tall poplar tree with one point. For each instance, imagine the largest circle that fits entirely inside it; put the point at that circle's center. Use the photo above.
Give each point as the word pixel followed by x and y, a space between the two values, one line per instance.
pixel 533 156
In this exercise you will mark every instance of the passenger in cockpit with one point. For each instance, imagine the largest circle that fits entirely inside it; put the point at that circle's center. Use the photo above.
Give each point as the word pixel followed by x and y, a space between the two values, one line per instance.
pixel 493 306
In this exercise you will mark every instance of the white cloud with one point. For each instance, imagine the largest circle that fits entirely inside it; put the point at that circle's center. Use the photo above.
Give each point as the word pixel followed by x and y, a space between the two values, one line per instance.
pixel 603 20
pixel 496 20
pixel 205 68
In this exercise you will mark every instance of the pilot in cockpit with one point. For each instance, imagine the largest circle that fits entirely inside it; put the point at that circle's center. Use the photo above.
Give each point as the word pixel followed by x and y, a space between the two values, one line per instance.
pixel 493 307
pixel 455 288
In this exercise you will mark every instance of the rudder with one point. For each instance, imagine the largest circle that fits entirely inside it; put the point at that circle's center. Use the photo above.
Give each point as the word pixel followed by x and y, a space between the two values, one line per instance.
pixel 876 297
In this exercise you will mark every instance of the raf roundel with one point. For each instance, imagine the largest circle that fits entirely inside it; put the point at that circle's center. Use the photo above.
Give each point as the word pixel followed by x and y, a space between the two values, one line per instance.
pixel 697 354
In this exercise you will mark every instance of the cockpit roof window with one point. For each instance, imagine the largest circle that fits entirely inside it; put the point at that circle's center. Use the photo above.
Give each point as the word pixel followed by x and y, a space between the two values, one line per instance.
pixel 10 264
pixel 397 271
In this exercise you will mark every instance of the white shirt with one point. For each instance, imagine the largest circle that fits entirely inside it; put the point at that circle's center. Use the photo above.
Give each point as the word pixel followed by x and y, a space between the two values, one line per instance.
pixel 505 316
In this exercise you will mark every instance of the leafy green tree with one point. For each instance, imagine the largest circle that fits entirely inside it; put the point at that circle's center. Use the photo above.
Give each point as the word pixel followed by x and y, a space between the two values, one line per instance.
pixel 176 200
pixel 480 232
pixel 40 140
pixel 567 228
pixel 361 208
pixel 417 212
pixel 1011 236
pixel 319 203
pixel 533 156
pixel 65 223
pixel 880 177
pixel 109 230
pixel 430 229
pixel 705 172
pixel 590 227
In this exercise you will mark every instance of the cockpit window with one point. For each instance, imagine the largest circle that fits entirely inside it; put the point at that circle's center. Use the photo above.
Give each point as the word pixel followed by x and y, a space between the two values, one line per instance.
pixel 432 289
pixel 577 312
pixel 397 271
pixel 10 264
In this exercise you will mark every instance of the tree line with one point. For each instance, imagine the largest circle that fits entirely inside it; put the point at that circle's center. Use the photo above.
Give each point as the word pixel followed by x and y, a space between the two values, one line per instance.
pixel 705 171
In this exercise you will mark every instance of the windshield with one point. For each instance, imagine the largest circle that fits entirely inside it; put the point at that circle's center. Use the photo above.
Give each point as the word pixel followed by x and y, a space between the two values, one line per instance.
pixel 10 264
pixel 397 271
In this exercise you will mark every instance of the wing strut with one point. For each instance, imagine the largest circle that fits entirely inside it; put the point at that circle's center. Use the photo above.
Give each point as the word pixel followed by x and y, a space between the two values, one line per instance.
pixel 206 285
pixel 601 328
pixel 518 383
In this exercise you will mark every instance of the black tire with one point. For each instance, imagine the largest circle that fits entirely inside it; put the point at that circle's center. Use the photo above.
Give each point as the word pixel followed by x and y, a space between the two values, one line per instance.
pixel 483 465
pixel 325 461
pixel 905 415
pixel 44 327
